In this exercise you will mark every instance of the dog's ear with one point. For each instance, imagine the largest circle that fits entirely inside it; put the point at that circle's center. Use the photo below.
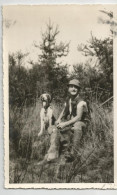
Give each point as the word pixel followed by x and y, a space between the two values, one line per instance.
pixel 41 97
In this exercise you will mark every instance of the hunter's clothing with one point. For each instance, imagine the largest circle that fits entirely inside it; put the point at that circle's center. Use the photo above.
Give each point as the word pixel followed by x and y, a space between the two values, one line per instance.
pixel 75 107
pixel 70 136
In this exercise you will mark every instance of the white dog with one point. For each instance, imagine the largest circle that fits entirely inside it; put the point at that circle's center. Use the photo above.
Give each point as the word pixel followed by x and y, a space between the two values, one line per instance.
pixel 46 114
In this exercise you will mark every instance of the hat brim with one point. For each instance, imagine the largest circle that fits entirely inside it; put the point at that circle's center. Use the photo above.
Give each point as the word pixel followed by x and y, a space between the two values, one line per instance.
pixel 74 85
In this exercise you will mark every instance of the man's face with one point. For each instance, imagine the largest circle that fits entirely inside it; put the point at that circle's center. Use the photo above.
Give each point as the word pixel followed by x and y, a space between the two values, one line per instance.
pixel 73 90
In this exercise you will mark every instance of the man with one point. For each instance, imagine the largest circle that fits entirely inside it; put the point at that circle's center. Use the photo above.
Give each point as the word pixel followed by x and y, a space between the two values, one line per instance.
pixel 73 117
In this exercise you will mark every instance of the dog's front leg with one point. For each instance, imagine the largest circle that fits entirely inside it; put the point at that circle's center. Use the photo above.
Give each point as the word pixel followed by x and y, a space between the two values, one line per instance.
pixel 50 121
pixel 50 114
pixel 50 129
pixel 42 128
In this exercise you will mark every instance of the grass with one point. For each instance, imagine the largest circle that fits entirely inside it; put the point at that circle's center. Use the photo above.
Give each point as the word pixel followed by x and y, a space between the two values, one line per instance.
pixel 93 164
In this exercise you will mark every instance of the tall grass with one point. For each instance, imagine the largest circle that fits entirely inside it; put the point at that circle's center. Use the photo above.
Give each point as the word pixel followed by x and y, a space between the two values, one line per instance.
pixel 96 153
pixel 94 159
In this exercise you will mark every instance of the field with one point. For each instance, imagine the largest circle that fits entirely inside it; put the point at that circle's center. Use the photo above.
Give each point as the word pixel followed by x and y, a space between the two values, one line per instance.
pixel 26 149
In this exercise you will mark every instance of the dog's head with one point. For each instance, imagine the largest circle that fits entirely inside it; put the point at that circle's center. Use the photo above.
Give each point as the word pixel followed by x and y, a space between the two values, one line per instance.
pixel 46 100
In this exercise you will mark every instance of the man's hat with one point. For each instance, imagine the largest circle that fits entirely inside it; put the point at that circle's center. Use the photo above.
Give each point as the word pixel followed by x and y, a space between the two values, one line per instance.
pixel 75 82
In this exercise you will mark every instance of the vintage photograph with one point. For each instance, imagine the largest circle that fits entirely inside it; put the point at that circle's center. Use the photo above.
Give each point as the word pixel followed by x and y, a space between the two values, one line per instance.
pixel 58 95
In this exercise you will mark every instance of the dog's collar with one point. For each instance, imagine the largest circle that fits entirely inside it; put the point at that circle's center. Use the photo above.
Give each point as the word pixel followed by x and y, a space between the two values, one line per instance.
pixel 45 109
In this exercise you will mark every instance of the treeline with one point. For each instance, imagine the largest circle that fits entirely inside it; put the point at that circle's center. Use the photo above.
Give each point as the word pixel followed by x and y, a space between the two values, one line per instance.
pixel 97 80
pixel 26 85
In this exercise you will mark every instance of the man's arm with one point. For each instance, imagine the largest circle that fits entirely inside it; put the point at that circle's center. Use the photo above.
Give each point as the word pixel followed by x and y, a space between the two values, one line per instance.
pixel 78 117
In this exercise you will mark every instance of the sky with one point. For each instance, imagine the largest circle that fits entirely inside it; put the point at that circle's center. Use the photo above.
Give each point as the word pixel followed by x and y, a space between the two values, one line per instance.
pixel 23 26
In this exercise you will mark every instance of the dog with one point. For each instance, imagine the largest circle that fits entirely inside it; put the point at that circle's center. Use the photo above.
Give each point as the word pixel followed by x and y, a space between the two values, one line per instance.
pixel 48 124
pixel 46 115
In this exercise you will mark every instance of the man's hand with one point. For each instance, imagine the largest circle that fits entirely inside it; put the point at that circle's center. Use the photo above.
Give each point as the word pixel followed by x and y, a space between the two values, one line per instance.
pixel 61 125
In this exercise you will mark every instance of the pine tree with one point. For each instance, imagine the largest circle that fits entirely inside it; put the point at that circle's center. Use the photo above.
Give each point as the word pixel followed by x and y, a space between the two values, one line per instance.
pixel 50 52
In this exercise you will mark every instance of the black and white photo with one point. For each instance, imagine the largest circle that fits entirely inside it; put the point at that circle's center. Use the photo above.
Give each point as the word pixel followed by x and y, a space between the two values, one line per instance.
pixel 59 64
